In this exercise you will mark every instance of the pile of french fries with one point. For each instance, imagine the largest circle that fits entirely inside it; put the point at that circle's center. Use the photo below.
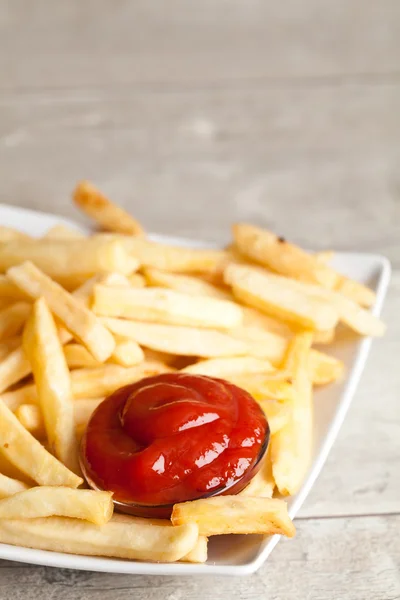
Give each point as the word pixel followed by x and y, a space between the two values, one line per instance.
pixel 81 316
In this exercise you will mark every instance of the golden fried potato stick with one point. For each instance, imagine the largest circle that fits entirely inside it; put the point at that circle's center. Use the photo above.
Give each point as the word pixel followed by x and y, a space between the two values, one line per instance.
pixel 79 320
pixel 12 319
pixel 274 295
pixel 43 348
pixel 160 305
pixel 23 451
pixel 121 537
pixel 10 486
pixel 235 514
pixel 107 214
pixel 291 446
pixel 47 501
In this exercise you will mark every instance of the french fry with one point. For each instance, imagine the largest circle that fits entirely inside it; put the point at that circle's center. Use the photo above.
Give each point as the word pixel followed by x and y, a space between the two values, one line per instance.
pixel 199 553
pixel 235 514
pixel 101 381
pixel 223 367
pixel 53 384
pixel 9 290
pixel 25 394
pixel 63 232
pixel 107 214
pixel 48 501
pixel 68 261
pixel 77 357
pixel 80 321
pixel 137 280
pixel 350 313
pixel 262 344
pixel 127 352
pixel 177 259
pixel 186 284
pixel 133 538
pixel 13 368
pixel 324 337
pixel 276 296
pixel 263 484
pixel 12 319
pixel 277 254
pixel 255 320
pixel 23 451
pixel 10 486
pixel 291 446
pixel 30 415
pixel 356 291
pixel 9 345
pixel 182 341
pixel 278 412
pixel 8 234
pixel 161 305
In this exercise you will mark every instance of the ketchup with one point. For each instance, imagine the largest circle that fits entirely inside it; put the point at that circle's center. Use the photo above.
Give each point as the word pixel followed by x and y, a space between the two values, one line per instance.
pixel 174 437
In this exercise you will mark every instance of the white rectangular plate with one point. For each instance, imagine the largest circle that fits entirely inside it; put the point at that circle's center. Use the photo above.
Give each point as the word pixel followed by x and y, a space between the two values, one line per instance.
pixel 232 555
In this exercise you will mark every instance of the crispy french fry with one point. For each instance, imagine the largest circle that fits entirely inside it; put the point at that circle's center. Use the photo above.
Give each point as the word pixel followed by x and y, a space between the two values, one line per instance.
pixel 137 280
pixel 276 296
pixel 236 365
pixel 277 412
pixel 53 383
pixel 255 320
pixel 162 357
pixel 235 514
pixel 133 538
pixel 182 341
pixel 92 383
pixel 356 291
pixel 185 284
pixel 127 352
pixel 30 415
pixel 81 322
pixel 291 446
pixel 63 232
pixel 29 456
pixel 263 484
pixel 107 214
pixel 13 368
pixel 69 261
pixel 48 501
pixel 26 394
pixel 77 357
pixel 262 344
pixel 8 234
pixel 177 259
pixel 9 345
pixel 199 553
pixel 324 337
pixel 9 290
pixel 12 319
pixel 279 255
pixel 161 305
pixel 10 486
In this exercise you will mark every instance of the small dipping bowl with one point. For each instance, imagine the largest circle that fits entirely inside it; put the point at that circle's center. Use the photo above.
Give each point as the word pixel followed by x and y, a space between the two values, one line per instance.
pixel 163 511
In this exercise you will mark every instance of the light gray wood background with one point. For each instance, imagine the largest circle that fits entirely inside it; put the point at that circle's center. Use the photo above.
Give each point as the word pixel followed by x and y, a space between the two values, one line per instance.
pixel 196 114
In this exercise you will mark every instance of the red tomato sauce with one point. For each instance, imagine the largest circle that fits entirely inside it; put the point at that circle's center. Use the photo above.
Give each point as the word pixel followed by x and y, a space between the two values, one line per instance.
pixel 174 437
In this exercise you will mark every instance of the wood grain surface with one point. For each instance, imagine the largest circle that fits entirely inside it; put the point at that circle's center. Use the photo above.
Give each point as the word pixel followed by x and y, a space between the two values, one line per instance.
pixel 193 115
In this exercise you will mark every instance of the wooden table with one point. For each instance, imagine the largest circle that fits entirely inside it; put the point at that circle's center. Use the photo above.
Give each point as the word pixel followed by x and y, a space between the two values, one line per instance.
pixel 194 115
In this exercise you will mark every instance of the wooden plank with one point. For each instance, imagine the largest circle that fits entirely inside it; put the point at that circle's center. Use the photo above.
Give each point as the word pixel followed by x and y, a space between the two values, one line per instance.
pixel 349 558
pixel 318 164
pixel 80 44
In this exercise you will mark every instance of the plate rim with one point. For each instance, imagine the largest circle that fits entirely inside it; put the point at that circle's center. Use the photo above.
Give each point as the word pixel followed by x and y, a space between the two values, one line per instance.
pixel 110 565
